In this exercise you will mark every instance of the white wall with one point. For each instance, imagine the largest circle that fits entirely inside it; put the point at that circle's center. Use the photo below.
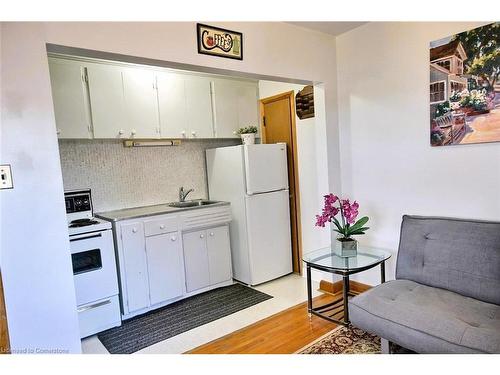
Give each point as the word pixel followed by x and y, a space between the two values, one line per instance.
pixel 36 267
pixel 388 164
pixel 35 258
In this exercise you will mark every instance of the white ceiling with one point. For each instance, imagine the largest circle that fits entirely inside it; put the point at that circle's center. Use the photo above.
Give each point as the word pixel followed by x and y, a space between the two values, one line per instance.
pixel 332 28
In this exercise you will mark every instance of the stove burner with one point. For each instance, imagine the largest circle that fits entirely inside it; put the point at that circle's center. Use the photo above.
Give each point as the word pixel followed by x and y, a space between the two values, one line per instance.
pixel 82 223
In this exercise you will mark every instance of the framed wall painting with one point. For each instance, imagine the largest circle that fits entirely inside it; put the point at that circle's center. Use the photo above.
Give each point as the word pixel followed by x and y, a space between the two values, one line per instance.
pixel 464 87
pixel 219 42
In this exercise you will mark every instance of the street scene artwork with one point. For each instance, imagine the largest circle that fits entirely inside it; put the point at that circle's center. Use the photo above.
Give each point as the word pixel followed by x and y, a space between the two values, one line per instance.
pixel 465 87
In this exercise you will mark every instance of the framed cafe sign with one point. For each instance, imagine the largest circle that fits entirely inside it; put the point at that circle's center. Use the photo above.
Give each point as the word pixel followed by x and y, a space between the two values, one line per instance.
pixel 219 42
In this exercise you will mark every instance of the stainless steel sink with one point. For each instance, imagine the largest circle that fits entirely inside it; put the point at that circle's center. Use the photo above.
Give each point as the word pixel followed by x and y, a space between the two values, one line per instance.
pixel 194 203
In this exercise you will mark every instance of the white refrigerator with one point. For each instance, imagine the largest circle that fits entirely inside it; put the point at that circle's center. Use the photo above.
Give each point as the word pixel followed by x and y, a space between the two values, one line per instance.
pixel 254 179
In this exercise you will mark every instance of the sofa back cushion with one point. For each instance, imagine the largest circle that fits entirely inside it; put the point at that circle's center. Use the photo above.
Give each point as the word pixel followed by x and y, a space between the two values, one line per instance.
pixel 454 254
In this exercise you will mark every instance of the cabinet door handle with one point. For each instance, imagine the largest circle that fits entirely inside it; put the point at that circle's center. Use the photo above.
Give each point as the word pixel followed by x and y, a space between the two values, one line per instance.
pixel 212 233
pixel 121 132
pixel 134 230
pixel 202 236
pixel 162 226
pixel 173 238
pixel 133 132
pixel 193 133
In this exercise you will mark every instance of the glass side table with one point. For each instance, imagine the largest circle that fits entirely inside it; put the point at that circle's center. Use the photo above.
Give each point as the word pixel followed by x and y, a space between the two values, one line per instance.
pixel 326 260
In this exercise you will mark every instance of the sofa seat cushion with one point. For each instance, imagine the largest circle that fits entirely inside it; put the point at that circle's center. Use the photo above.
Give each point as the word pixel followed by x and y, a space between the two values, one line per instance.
pixel 427 319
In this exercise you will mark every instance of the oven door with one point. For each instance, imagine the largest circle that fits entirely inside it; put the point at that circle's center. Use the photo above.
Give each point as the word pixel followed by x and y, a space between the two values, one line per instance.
pixel 94 267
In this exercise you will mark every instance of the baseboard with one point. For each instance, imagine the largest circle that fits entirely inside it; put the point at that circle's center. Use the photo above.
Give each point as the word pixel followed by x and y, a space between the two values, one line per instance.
pixel 336 287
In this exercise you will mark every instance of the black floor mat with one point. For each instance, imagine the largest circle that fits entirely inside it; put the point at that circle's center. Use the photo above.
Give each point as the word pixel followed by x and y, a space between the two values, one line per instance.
pixel 158 325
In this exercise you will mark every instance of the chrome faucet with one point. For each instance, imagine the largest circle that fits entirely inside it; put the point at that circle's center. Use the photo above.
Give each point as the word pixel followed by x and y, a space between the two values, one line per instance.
pixel 183 194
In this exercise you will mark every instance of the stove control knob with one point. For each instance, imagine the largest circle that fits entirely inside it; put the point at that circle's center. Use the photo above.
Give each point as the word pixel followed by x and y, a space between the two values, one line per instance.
pixel 121 132
pixel 193 133
pixel 133 132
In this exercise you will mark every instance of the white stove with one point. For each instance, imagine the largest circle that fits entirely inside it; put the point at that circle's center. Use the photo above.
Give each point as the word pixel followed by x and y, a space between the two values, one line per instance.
pixel 94 225
pixel 94 265
pixel 80 213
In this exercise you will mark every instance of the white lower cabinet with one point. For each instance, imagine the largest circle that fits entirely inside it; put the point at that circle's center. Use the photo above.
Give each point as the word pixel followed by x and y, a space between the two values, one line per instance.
pixel 135 272
pixel 166 276
pixel 164 258
pixel 196 260
pixel 207 257
pixel 219 254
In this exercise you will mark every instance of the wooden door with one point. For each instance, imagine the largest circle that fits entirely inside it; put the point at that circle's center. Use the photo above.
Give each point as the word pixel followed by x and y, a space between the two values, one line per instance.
pixel 196 260
pixel 70 97
pixel 141 102
pixel 4 332
pixel 219 254
pixel 278 125
pixel 135 264
pixel 166 276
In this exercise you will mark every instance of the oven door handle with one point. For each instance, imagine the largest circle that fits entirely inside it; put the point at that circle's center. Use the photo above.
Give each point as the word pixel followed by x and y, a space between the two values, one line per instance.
pixel 93 306
pixel 85 237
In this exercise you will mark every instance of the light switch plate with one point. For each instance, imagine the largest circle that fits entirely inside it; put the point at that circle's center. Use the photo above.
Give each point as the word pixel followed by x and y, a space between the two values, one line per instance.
pixel 5 177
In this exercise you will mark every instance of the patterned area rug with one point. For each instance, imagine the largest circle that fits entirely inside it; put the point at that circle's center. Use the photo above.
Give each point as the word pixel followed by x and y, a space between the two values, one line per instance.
pixel 349 340
pixel 344 340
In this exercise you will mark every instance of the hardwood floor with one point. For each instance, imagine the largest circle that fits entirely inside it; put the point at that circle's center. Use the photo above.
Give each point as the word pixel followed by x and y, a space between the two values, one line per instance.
pixel 282 333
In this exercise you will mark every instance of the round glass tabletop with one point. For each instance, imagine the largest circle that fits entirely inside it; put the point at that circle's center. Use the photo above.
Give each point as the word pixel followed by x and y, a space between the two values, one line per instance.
pixel 327 257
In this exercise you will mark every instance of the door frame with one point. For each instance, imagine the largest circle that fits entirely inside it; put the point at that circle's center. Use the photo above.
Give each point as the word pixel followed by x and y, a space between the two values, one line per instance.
pixel 4 329
pixel 296 255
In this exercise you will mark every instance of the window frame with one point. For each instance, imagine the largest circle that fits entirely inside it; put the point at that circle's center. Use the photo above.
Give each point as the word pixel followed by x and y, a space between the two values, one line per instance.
pixel 444 91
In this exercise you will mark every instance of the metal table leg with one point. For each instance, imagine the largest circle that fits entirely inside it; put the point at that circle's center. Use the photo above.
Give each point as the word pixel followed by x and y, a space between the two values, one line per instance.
pixel 346 298
pixel 309 292
pixel 382 272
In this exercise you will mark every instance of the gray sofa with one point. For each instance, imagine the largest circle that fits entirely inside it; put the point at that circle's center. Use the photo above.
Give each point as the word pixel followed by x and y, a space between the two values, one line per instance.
pixel 446 295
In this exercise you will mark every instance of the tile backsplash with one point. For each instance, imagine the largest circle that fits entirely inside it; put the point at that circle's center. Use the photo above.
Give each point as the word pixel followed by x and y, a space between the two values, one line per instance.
pixel 123 177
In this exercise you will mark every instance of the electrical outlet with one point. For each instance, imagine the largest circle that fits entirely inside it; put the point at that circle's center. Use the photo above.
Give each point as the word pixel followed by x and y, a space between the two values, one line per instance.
pixel 5 177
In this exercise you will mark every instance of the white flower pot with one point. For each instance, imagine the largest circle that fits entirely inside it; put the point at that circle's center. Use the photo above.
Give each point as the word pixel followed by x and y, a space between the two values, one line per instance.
pixel 248 139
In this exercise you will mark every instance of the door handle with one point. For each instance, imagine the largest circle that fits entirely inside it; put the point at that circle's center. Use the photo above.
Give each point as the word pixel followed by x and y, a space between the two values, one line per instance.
pixel 93 306
pixel 85 237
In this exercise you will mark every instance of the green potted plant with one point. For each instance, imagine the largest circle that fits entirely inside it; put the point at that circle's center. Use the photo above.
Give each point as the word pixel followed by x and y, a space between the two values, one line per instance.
pixel 346 225
pixel 247 134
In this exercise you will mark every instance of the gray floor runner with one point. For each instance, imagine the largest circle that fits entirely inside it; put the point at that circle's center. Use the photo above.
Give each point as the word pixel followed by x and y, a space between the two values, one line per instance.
pixel 155 326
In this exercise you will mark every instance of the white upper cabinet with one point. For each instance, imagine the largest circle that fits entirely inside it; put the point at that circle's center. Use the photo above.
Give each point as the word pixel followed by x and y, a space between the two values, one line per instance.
pixel 236 105
pixel 70 97
pixel 141 104
pixel 127 102
pixel 172 105
pixel 226 109
pixel 109 115
pixel 199 107
pixel 248 104
pixel 185 103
